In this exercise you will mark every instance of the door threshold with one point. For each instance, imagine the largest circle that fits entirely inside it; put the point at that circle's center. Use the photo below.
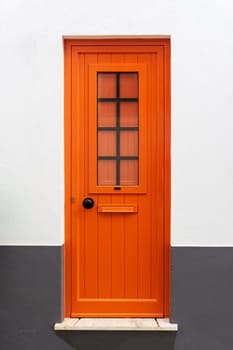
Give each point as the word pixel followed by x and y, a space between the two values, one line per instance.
pixel 116 324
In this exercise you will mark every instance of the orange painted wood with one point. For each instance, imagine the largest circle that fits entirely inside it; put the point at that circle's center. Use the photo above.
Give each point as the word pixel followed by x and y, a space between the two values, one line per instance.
pixel 115 66
pixel 67 177
pixel 167 178
pixel 105 235
pixel 117 263
pixel 131 253
pixel 118 252
pixel 119 208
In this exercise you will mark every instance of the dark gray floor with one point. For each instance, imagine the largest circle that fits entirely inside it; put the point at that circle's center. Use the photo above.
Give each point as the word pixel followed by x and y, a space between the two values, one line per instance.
pixel 30 303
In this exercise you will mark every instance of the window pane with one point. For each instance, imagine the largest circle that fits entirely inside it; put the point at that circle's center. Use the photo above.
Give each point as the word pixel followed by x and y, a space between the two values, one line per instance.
pixel 129 143
pixel 106 143
pixel 106 114
pixel 117 128
pixel 129 85
pixel 106 85
pixel 129 172
pixel 129 114
pixel 106 172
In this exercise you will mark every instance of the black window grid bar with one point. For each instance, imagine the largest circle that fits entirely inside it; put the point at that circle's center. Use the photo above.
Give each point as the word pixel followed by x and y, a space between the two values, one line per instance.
pixel 121 128
pixel 118 158
pixel 118 128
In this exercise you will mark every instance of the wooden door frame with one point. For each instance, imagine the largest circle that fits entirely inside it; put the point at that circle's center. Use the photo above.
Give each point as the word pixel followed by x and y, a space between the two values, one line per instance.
pixel 163 42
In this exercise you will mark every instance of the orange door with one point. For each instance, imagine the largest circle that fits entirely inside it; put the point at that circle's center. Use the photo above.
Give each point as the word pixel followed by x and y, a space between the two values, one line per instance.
pixel 117 172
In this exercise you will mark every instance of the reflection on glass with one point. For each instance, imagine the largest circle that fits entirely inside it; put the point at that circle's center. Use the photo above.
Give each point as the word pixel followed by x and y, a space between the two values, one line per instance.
pixel 106 85
pixel 129 85
pixel 106 143
pixel 106 114
pixel 129 143
pixel 129 172
pixel 129 114
pixel 106 172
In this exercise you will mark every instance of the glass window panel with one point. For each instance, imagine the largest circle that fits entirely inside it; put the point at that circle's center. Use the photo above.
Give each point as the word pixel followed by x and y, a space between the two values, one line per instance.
pixel 106 172
pixel 106 143
pixel 129 114
pixel 129 143
pixel 106 85
pixel 129 172
pixel 106 114
pixel 128 85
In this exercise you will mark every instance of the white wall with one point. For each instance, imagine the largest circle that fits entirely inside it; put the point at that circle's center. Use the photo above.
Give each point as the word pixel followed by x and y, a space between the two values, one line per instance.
pixel 31 110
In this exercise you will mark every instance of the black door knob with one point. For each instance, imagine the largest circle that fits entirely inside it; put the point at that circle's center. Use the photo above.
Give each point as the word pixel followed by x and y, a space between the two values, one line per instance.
pixel 88 203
